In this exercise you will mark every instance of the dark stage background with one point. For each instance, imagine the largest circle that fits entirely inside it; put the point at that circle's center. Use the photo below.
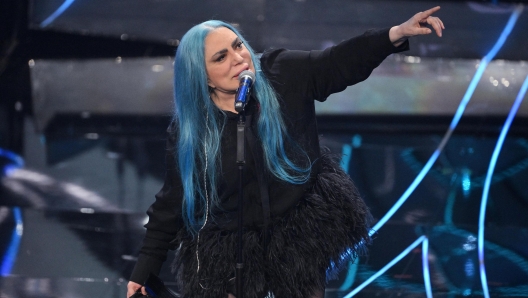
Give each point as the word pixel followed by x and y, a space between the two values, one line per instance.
pixel 86 96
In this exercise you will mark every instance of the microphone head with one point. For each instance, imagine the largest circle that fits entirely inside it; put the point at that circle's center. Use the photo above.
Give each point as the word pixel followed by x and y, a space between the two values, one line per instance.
pixel 246 73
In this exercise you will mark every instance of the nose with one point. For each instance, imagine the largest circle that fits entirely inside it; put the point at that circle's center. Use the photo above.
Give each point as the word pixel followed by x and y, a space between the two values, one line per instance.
pixel 238 58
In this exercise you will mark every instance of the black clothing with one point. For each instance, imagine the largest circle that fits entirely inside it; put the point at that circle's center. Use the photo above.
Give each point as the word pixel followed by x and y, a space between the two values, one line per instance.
pixel 311 243
pixel 298 78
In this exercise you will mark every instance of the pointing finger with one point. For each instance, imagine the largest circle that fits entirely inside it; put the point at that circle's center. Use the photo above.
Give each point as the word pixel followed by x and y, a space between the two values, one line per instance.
pixel 429 12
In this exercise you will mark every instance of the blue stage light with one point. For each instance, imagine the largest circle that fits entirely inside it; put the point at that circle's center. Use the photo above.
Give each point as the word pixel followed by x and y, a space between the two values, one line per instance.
pixel 57 13
pixel 458 114
pixel 16 161
pixel 351 275
pixel 456 118
pixel 487 183
pixel 387 267
pixel 425 266
pixel 412 187
pixel 12 250
pixel 346 155
pixel 466 182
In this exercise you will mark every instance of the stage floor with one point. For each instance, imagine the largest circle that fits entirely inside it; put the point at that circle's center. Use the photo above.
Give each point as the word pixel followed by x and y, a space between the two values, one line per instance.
pixel 68 253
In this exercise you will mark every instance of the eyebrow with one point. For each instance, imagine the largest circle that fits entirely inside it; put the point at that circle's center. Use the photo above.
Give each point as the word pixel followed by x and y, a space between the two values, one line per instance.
pixel 233 44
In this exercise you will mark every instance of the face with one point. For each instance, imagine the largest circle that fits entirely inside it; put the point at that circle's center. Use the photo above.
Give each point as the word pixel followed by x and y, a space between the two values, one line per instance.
pixel 225 58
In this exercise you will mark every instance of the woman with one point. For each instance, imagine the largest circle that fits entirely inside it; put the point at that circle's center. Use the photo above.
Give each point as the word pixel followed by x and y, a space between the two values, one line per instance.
pixel 303 218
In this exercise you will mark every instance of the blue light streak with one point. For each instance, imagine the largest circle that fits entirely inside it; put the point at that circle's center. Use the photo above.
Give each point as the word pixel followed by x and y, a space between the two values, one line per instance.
pixel 387 267
pixel 425 266
pixel 57 13
pixel 12 250
pixel 411 188
pixel 487 184
pixel 351 275
pixel 17 161
pixel 346 156
pixel 458 114
pixel 456 118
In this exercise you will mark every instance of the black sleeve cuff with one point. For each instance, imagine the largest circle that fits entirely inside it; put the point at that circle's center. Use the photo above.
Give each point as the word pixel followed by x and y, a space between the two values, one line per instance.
pixel 385 42
pixel 401 48
pixel 144 266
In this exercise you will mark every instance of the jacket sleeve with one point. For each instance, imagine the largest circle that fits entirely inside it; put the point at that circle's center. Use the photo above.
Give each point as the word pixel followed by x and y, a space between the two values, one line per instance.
pixel 323 72
pixel 165 221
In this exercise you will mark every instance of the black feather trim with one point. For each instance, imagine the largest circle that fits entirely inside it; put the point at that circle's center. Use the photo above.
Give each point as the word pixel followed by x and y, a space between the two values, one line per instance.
pixel 307 247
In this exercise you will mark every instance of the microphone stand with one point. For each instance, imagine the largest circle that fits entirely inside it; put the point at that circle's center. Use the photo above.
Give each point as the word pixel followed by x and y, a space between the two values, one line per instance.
pixel 246 79
pixel 241 162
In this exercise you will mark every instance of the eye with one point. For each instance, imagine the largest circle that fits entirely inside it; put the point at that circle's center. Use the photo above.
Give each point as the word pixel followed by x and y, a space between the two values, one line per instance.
pixel 239 45
pixel 220 58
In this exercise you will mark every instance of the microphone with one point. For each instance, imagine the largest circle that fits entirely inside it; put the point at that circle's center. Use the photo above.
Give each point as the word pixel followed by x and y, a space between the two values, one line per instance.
pixel 246 79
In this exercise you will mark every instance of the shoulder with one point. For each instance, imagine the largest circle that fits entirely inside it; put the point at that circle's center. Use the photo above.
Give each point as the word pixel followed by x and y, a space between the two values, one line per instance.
pixel 282 60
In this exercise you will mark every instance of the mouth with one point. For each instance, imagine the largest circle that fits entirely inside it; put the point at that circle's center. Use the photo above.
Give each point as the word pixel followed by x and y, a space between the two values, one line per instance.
pixel 238 73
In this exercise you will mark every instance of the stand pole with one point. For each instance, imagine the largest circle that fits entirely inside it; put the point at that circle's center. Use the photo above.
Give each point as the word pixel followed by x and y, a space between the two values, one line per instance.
pixel 241 162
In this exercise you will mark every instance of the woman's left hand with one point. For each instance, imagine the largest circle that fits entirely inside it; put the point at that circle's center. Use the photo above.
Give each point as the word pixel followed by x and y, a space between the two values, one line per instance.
pixel 417 25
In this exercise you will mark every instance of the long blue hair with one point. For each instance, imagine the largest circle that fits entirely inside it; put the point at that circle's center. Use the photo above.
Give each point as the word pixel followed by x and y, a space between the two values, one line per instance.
pixel 199 127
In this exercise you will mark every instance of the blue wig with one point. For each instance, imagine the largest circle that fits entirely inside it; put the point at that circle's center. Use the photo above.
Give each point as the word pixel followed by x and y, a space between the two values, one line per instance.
pixel 198 141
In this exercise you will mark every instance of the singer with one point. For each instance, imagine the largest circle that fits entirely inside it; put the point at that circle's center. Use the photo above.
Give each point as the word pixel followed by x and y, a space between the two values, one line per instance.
pixel 303 217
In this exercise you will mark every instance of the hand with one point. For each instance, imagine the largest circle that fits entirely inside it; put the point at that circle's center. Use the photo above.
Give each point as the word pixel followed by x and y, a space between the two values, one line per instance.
pixel 417 25
pixel 133 287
